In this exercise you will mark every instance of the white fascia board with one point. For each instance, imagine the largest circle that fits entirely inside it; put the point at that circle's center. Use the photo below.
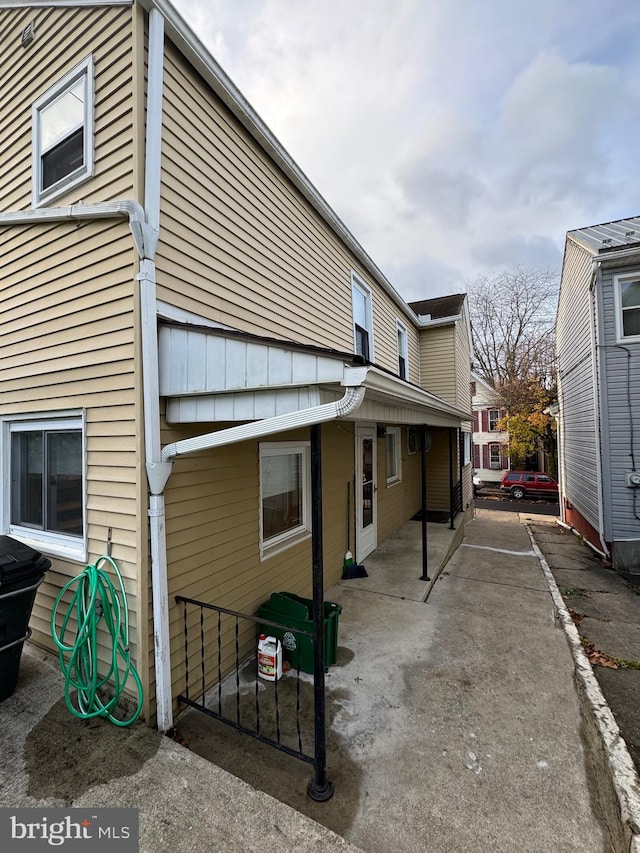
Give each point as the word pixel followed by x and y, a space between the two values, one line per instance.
pixel 197 54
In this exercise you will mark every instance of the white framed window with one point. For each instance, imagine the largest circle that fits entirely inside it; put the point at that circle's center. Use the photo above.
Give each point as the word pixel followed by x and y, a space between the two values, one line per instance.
pixel 393 439
pixel 494 417
pixel 627 298
pixel 466 448
pixel 44 494
pixel 403 350
pixel 285 495
pixel 495 459
pixel 362 303
pixel 62 135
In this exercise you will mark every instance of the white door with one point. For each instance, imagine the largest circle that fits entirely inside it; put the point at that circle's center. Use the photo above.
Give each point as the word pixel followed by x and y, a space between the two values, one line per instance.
pixel 365 491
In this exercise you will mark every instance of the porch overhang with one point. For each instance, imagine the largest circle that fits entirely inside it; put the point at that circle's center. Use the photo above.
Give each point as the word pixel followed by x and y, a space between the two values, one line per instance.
pixel 213 375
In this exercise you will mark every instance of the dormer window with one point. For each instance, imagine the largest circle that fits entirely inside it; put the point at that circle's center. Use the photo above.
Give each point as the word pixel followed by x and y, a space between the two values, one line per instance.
pixel 63 134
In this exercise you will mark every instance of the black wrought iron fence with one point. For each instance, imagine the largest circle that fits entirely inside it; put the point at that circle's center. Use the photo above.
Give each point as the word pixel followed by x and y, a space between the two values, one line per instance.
pixel 221 680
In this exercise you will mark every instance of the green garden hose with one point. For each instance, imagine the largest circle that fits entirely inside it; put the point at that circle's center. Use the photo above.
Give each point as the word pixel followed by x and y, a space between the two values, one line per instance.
pixel 95 598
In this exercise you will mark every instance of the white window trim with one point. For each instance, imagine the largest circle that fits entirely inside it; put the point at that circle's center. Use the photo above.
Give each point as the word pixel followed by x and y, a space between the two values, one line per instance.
pixel 397 477
pixel 467 451
pixel 403 350
pixel 53 544
pixel 279 543
pixel 618 280
pixel 38 196
pixel 358 284
pixel 495 429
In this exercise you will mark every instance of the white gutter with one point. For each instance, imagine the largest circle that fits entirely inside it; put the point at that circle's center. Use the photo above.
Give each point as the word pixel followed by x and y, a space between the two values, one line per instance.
pixel 144 236
pixel 423 323
pixel 346 405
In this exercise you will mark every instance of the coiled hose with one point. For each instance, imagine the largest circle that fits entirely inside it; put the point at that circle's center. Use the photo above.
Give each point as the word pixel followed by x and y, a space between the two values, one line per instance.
pixel 95 598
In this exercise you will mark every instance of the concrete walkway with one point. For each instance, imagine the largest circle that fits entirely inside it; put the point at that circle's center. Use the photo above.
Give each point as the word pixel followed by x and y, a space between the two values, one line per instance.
pixel 454 725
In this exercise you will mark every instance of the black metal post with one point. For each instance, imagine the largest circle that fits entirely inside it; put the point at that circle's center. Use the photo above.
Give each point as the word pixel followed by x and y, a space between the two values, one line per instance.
pixel 423 469
pixel 460 463
pixel 451 497
pixel 319 788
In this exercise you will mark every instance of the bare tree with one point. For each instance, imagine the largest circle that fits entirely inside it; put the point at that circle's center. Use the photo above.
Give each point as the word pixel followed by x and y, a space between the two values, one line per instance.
pixel 512 314
pixel 512 317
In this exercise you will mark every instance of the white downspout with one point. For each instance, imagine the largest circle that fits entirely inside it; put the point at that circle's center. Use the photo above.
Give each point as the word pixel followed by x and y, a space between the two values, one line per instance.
pixel 593 307
pixel 150 378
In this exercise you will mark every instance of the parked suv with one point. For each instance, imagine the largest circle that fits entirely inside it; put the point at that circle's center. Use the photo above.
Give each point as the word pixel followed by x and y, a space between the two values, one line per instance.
pixel 522 483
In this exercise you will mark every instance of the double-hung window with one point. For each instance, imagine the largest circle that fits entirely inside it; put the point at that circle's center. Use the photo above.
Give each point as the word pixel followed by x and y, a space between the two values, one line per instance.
pixel 403 350
pixel 494 417
pixel 44 495
pixel 394 455
pixel 627 293
pixel 62 128
pixel 285 500
pixel 362 318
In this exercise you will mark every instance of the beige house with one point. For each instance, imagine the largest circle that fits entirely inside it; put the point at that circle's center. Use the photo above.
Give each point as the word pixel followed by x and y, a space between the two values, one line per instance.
pixel 185 324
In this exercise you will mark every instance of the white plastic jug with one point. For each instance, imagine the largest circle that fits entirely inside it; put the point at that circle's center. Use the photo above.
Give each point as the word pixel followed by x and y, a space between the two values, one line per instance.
pixel 269 658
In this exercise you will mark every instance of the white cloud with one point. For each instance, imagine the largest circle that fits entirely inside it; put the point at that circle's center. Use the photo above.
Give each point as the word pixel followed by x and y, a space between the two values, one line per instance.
pixel 449 138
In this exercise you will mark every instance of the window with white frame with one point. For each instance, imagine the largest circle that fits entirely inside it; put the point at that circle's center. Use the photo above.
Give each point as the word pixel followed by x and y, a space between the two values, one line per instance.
pixel 627 292
pixel 494 417
pixel 44 498
pixel 285 500
pixel 403 351
pixel 393 438
pixel 62 128
pixel 495 463
pixel 362 318
pixel 466 448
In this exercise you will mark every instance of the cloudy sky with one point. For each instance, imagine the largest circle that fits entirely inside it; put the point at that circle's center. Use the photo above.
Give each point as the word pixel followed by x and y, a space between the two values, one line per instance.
pixel 452 137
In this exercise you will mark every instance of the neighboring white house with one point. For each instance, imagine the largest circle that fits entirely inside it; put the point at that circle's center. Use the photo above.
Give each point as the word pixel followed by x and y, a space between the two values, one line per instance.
pixel 490 444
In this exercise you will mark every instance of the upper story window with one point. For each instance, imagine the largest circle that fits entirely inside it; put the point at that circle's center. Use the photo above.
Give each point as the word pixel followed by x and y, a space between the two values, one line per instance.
pixel 45 482
pixel 403 351
pixel 362 318
pixel 494 417
pixel 62 127
pixel 627 292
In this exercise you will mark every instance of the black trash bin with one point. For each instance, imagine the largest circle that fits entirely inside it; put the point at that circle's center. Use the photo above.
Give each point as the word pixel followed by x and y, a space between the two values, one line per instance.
pixel 22 571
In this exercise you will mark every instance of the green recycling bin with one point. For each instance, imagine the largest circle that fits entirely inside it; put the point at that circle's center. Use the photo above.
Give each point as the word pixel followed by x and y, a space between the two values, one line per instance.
pixel 294 612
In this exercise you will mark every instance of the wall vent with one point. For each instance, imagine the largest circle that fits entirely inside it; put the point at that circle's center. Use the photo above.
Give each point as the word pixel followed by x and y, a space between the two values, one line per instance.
pixel 28 34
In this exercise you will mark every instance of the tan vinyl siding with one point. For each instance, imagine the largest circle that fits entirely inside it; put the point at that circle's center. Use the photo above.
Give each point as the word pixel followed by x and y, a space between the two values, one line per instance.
pixel 438 496
pixel 67 343
pixel 65 37
pixel 239 244
pixel 463 366
pixel 397 502
pixel 437 362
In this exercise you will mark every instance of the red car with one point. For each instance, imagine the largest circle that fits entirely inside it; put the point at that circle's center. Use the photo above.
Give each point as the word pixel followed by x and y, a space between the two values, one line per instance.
pixel 521 484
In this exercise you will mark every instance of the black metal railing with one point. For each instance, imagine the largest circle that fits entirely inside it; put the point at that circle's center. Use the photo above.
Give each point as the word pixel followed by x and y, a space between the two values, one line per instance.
pixel 221 680
pixel 457 498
